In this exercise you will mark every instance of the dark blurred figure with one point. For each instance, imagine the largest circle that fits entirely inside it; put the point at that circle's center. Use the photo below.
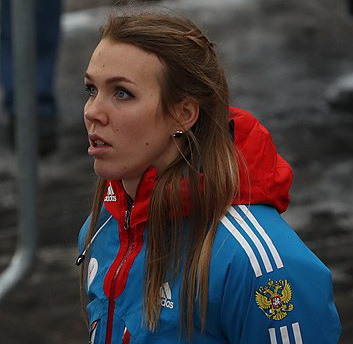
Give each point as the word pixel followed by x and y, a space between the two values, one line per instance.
pixel 340 94
pixel 350 6
pixel 47 35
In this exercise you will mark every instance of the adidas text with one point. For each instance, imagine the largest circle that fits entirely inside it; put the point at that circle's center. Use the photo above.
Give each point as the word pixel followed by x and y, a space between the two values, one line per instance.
pixel 110 198
pixel 167 303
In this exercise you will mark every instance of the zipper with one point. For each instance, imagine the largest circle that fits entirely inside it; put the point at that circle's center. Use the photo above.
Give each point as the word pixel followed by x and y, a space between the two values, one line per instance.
pixel 111 304
pixel 127 219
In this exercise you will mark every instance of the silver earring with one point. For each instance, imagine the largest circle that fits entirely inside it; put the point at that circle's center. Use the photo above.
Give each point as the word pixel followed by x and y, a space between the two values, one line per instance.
pixel 178 134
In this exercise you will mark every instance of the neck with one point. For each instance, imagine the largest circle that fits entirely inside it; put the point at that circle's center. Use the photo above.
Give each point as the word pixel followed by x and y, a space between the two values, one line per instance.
pixel 130 186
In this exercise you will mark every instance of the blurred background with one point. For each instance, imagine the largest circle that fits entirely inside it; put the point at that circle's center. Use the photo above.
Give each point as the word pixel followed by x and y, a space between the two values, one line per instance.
pixel 289 62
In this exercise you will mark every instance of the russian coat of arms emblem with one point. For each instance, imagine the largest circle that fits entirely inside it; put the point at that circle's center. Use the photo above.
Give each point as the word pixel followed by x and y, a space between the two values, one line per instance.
pixel 274 299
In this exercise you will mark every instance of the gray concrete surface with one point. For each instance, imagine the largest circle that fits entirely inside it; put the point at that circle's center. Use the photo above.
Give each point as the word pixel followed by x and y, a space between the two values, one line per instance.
pixel 281 58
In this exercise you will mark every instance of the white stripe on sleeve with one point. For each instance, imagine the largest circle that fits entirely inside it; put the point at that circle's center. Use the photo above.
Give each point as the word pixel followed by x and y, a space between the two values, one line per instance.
pixel 272 332
pixel 264 235
pixel 284 335
pixel 254 239
pixel 245 245
pixel 297 333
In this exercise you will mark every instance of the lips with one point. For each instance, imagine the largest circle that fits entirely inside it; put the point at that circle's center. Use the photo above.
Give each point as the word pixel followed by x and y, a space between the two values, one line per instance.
pixel 98 146
pixel 97 141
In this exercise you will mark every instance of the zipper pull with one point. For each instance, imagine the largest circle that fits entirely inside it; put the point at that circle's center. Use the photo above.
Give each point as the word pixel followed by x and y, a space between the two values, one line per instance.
pixel 127 220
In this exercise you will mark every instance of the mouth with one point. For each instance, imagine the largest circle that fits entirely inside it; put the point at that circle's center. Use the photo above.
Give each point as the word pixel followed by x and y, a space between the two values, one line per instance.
pixel 99 143
pixel 98 147
pixel 96 141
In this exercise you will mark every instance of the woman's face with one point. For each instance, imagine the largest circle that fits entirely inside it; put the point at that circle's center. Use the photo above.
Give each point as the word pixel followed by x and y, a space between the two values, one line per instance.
pixel 126 128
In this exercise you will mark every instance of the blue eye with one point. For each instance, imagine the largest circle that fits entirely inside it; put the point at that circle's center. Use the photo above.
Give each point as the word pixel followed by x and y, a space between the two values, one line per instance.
pixel 91 90
pixel 122 94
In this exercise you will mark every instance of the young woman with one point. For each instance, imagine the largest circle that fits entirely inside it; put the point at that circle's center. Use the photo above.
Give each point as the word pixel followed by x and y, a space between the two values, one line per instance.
pixel 185 242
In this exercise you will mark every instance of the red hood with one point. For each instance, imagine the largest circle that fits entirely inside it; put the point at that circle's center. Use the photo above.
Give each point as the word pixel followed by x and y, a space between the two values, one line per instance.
pixel 266 177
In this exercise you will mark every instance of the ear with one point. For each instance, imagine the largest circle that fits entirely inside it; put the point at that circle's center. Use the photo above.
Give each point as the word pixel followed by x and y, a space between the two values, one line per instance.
pixel 187 112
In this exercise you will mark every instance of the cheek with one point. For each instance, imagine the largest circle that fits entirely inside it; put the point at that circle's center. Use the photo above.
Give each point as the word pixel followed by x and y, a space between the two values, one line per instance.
pixel 137 133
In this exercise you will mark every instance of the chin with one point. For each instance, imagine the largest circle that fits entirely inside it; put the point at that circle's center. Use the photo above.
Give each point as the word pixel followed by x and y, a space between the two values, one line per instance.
pixel 104 172
pixel 115 172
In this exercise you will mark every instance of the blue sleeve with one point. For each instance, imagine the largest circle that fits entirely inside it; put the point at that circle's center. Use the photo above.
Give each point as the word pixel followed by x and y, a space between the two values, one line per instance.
pixel 276 290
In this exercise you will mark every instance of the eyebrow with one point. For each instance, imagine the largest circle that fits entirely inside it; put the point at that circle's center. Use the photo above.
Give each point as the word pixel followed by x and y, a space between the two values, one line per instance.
pixel 113 79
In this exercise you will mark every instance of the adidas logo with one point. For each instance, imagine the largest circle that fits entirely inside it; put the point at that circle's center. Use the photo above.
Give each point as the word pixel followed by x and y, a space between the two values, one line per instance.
pixel 110 197
pixel 166 296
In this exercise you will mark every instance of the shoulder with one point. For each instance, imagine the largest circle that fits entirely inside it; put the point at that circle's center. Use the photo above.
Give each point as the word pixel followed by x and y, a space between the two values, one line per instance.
pixel 266 275
pixel 254 245
pixel 257 236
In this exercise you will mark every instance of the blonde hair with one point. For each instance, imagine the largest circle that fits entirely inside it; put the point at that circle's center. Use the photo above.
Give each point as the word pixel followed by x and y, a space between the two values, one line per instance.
pixel 192 71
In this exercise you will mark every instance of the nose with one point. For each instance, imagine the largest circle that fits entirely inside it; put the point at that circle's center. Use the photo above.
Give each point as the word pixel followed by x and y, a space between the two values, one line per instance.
pixel 95 111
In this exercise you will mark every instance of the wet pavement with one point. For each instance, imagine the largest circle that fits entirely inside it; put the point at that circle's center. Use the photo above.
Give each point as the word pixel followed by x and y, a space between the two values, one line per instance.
pixel 281 59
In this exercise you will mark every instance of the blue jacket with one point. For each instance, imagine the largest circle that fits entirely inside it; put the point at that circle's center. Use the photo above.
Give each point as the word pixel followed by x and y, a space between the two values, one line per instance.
pixel 265 285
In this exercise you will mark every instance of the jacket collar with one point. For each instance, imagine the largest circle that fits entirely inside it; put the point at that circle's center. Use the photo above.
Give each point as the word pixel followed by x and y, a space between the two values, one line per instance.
pixel 118 202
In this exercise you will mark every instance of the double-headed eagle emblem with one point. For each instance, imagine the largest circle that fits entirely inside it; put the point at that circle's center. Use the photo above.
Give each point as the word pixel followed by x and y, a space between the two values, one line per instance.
pixel 274 299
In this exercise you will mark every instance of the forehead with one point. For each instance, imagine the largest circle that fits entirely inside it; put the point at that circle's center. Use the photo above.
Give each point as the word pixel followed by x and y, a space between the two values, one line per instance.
pixel 111 59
